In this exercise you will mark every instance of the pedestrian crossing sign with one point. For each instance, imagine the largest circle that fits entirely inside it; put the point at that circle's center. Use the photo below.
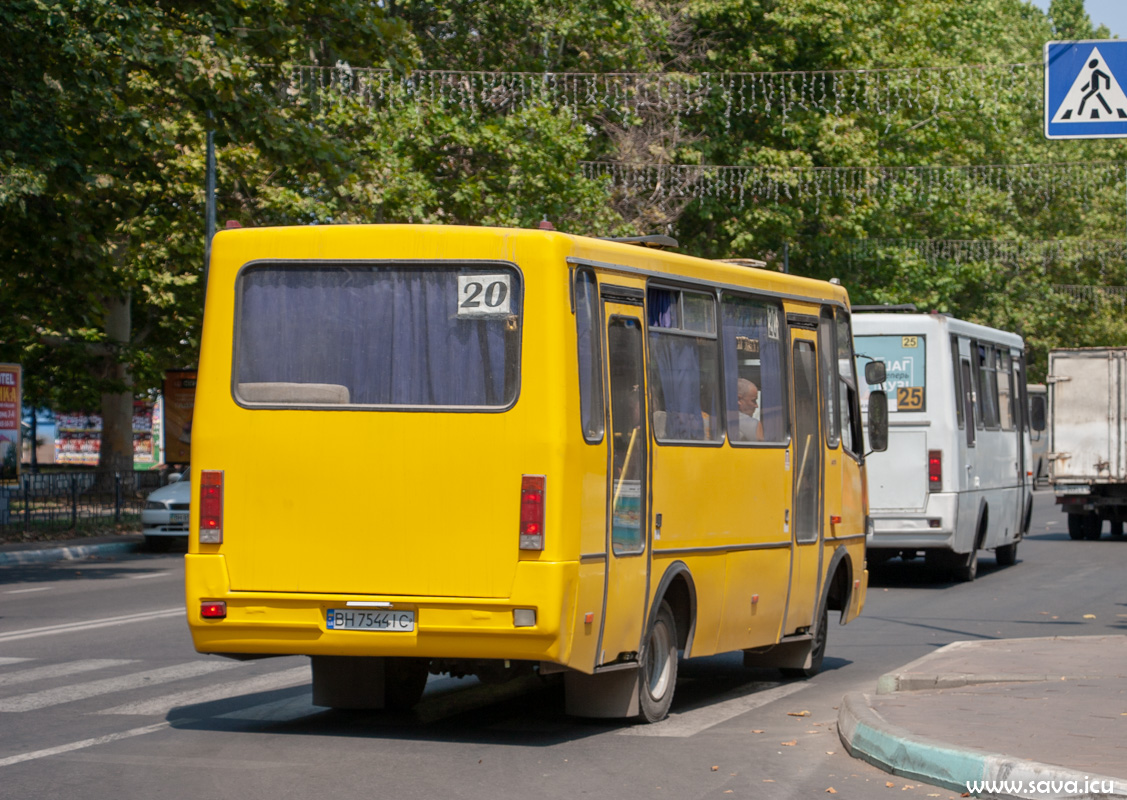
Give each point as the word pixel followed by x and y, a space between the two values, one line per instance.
pixel 1084 89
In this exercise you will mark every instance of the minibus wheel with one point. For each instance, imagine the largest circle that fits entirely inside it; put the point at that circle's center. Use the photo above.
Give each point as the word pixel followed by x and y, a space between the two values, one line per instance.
pixel 817 649
pixel 405 679
pixel 967 571
pixel 1006 555
pixel 659 666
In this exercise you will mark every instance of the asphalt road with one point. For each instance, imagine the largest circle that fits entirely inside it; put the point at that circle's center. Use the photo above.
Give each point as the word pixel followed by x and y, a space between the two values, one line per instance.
pixel 102 696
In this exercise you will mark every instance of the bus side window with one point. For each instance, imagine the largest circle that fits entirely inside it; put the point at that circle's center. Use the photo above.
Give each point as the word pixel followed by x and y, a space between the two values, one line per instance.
pixel 587 325
pixel 1005 390
pixel 987 388
pixel 850 407
pixel 959 400
pixel 828 350
pixel 753 357
pixel 684 365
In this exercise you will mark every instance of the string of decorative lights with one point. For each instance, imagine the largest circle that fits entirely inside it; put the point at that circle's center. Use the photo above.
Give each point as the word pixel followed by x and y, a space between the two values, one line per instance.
pixel 1093 294
pixel 837 92
pixel 1102 252
pixel 746 184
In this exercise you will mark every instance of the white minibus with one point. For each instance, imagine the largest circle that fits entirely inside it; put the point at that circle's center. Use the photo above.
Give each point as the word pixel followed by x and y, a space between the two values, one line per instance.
pixel 955 478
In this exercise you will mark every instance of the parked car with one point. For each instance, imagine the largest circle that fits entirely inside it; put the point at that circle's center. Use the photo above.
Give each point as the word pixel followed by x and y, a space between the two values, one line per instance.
pixel 164 519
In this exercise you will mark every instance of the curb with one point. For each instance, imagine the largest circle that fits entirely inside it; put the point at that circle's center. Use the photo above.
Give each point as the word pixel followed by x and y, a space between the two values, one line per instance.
pixel 868 736
pixel 73 553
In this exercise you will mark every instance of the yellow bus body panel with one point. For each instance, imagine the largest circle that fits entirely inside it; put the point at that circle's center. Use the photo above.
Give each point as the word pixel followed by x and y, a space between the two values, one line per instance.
pixel 420 509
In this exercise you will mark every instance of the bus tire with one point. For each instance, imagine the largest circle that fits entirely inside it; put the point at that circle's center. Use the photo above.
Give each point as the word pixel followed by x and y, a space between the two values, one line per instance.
pixel 1006 555
pixel 967 570
pixel 1117 528
pixel 817 649
pixel 405 680
pixel 658 676
pixel 1075 526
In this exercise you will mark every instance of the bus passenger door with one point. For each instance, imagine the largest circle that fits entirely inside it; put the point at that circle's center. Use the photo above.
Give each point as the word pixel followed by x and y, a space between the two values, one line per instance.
pixel 628 486
pixel 807 498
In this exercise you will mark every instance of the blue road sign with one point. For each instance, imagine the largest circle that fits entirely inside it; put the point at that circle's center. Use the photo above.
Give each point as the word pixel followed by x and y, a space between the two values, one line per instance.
pixel 1084 89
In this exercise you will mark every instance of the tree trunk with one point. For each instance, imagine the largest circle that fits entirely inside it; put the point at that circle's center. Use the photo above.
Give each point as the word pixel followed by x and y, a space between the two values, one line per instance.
pixel 116 454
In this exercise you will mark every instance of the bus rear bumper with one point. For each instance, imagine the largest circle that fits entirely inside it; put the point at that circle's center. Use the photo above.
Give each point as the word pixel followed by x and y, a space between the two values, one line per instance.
pixel 930 529
pixel 280 623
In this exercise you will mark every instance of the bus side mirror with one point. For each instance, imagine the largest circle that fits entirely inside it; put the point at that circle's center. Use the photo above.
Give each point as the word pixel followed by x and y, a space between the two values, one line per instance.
pixel 875 373
pixel 1037 413
pixel 878 418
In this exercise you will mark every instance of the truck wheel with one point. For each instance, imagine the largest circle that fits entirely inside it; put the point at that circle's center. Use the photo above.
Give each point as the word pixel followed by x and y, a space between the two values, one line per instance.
pixel 1117 528
pixel 1093 527
pixel 659 666
pixel 1006 555
pixel 1075 526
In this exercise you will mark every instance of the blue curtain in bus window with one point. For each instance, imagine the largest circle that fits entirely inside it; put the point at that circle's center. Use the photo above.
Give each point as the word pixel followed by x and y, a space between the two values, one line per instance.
pixel 675 366
pixel 391 336
pixel 745 319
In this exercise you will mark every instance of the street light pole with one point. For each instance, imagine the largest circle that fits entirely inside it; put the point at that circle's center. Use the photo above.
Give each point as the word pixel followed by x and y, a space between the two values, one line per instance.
pixel 210 203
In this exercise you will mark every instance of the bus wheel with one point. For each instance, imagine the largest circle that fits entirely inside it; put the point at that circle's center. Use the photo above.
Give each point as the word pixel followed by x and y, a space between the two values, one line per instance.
pixel 967 570
pixel 817 650
pixel 1076 526
pixel 659 666
pixel 1117 528
pixel 405 679
pixel 1006 555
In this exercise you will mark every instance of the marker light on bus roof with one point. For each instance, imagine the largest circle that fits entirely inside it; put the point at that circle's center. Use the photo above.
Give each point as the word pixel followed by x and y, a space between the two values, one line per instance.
pixel 532 512
pixel 211 506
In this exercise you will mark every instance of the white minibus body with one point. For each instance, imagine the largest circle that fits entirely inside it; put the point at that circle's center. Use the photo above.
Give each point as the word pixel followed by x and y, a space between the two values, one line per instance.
pixel 955 478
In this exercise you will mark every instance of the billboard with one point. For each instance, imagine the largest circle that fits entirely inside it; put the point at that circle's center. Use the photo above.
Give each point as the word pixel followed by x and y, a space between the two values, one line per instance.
pixel 11 413
pixel 179 403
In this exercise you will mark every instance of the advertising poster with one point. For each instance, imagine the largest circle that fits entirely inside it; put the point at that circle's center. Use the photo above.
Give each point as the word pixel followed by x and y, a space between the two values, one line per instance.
pixel 179 402
pixel 10 415
pixel 78 438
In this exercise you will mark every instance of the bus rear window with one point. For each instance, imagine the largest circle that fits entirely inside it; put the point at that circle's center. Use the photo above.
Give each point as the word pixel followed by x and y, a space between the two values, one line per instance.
pixel 417 335
pixel 905 361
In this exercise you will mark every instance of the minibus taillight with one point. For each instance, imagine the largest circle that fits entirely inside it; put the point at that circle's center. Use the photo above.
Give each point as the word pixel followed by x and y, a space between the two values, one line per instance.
pixel 934 470
pixel 532 512
pixel 211 506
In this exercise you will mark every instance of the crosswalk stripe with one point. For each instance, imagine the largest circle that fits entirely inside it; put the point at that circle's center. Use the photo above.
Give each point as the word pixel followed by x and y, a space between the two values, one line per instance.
pixel 137 680
pixel 284 710
pixel 6 661
pixel 260 683
pixel 60 670
pixel 689 723
pixel 68 748
pixel 68 627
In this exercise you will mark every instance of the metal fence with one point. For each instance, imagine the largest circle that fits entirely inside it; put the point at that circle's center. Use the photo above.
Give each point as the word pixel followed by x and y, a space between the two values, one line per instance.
pixel 74 499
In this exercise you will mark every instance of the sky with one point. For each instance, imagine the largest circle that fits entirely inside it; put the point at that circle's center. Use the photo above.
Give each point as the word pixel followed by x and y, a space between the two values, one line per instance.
pixel 1112 13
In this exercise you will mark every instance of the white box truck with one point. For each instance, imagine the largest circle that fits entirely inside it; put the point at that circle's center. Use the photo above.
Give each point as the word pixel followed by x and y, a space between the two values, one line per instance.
pixel 1088 437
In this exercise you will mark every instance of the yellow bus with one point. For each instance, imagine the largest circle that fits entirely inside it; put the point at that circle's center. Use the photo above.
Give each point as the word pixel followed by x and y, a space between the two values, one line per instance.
pixel 486 451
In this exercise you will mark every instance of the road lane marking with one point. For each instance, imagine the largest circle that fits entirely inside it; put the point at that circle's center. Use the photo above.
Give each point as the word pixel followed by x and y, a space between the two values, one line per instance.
pixel 67 748
pixel 60 670
pixel 260 683
pixel 693 721
pixel 147 575
pixel 137 680
pixel 70 627
pixel 286 710
pixel 25 591
pixel 5 661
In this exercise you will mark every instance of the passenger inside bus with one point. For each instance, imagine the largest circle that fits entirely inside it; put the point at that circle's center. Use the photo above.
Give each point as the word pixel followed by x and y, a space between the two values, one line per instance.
pixel 747 399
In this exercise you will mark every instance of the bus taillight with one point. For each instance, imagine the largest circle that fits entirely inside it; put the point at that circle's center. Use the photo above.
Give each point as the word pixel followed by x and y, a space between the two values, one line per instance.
pixel 211 506
pixel 934 470
pixel 532 512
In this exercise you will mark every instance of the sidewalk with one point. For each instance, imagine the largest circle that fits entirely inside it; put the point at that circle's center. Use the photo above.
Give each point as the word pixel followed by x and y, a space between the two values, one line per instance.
pixel 1050 713
pixel 69 549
